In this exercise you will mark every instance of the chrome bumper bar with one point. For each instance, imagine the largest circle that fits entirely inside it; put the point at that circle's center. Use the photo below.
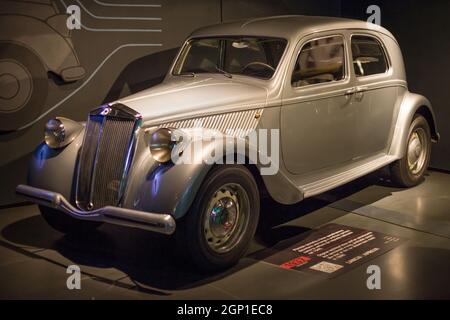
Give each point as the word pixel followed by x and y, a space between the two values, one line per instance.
pixel 155 222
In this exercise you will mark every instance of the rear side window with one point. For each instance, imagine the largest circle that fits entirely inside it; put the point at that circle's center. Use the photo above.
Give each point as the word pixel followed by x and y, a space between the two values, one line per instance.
pixel 368 56
pixel 320 61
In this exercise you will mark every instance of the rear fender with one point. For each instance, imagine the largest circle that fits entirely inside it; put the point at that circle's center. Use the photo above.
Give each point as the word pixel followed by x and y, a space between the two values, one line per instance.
pixel 411 105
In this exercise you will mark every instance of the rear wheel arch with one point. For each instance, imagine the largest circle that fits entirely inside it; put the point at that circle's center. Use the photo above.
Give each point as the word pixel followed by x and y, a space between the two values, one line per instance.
pixel 412 105
pixel 409 170
pixel 425 111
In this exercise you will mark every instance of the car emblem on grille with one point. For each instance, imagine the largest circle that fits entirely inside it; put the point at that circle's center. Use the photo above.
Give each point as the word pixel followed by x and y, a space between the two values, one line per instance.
pixel 105 111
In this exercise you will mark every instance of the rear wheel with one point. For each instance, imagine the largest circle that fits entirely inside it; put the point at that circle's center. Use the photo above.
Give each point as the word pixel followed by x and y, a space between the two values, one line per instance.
pixel 409 170
pixel 63 223
pixel 221 223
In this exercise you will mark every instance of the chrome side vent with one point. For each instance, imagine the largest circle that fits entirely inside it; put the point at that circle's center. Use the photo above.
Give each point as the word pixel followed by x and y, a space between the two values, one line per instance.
pixel 238 123
pixel 105 156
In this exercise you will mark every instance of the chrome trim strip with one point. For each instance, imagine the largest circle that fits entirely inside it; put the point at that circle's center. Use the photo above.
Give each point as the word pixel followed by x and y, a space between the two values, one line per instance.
pixel 94 166
pixel 155 222
pixel 340 92
pixel 130 156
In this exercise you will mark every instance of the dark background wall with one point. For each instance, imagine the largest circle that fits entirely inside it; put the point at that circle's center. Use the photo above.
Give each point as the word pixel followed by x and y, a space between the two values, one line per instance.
pixel 422 29
pixel 122 62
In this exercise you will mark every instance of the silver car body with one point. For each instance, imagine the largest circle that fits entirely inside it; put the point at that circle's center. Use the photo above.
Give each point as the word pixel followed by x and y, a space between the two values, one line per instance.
pixel 331 133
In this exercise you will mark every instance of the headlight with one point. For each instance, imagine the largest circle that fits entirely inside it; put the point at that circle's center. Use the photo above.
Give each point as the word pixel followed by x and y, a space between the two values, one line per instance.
pixel 162 141
pixel 59 132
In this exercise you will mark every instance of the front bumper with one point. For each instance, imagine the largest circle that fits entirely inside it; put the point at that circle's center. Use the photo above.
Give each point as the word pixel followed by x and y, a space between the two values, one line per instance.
pixel 155 222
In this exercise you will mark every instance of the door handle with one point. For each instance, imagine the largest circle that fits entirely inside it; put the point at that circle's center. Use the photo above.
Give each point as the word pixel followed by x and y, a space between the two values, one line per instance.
pixel 350 91
pixel 361 89
pixel 354 90
pixel 360 93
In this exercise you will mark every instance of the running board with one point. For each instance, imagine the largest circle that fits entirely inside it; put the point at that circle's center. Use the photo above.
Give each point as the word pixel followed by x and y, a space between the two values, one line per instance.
pixel 331 182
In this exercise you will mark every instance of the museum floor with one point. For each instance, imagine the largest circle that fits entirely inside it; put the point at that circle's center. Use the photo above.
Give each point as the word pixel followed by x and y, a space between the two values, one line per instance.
pixel 120 263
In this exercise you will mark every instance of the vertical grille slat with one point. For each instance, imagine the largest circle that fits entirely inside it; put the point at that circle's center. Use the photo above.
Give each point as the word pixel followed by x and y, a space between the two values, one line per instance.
pixel 87 158
pixel 104 157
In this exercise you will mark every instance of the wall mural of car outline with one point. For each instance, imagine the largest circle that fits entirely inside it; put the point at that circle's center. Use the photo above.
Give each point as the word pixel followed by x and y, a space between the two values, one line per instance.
pixel 10 121
pixel 26 59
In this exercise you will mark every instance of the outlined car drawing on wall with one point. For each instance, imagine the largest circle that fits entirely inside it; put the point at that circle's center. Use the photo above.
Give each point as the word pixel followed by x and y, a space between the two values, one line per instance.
pixel 34 41
pixel 334 89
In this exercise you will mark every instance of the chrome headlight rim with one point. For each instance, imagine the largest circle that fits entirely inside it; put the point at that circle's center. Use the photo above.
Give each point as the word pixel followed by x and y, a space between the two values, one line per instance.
pixel 161 143
pixel 60 132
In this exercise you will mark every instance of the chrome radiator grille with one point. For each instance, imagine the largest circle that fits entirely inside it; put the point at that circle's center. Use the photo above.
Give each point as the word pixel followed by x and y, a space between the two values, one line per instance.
pixel 105 156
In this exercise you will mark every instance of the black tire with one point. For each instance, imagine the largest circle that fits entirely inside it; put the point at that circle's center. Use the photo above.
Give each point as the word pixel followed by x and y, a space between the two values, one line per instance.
pixel 24 86
pixel 401 172
pixel 66 224
pixel 191 234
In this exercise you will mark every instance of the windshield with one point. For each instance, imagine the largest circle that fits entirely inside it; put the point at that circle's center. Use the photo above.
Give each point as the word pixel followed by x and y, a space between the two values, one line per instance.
pixel 250 56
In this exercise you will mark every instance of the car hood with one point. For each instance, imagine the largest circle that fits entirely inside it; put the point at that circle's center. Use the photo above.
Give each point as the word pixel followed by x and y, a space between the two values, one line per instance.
pixel 184 97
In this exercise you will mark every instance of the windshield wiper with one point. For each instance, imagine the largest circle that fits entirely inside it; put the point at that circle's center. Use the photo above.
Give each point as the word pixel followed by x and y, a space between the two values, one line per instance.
pixel 226 74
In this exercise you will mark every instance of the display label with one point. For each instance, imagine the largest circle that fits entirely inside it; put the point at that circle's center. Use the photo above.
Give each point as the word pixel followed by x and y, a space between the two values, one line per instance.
pixel 331 250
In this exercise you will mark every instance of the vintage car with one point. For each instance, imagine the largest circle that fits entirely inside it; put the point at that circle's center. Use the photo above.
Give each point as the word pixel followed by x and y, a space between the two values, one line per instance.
pixel 332 91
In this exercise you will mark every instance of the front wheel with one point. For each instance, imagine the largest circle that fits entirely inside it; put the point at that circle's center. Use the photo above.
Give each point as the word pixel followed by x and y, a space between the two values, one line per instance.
pixel 218 229
pixel 409 170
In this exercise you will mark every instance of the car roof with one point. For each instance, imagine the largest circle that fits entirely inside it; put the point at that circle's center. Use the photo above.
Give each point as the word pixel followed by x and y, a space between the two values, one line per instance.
pixel 290 27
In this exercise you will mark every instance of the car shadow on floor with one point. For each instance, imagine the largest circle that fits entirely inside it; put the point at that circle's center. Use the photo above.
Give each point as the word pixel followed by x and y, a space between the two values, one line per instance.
pixel 274 228
pixel 151 262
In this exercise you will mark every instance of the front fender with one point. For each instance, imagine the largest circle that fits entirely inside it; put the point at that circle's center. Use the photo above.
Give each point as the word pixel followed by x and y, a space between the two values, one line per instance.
pixel 54 169
pixel 170 188
pixel 165 188
pixel 411 104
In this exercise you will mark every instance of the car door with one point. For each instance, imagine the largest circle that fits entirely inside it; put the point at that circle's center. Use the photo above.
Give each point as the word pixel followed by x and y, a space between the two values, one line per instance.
pixel 375 96
pixel 317 114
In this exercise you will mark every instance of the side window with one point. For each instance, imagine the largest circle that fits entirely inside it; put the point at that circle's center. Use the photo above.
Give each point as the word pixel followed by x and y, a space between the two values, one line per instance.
pixel 368 56
pixel 321 60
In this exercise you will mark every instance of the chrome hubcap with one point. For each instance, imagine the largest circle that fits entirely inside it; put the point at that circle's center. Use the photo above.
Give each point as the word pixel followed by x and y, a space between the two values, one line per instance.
pixel 226 218
pixel 417 151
